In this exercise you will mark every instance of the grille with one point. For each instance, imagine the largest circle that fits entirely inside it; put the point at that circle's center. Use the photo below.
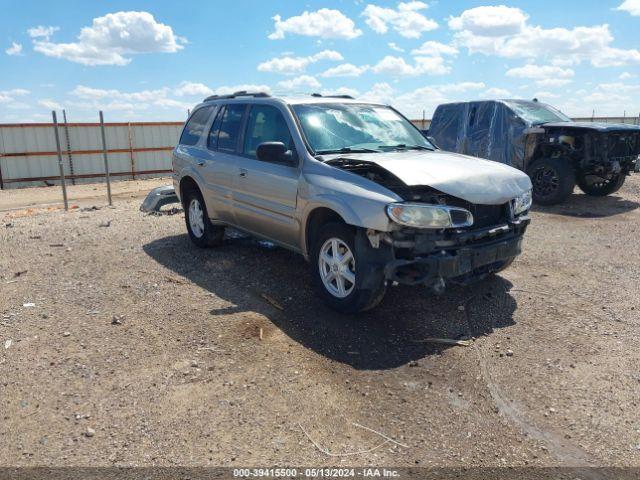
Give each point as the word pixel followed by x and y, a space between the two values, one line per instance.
pixel 483 215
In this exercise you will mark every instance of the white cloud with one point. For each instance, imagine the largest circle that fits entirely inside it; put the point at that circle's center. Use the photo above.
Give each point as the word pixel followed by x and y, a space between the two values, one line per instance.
pixel 14 49
pixel 490 21
pixel 172 104
pixel 544 95
pixel 192 89
pixel 553 82
pixel 323 23
pixel 379 93
pixel 341 91
pixel 406 20
pixel 90 93
pixel 200 90
pixel 505 32
pixel 543 75
pixel 630 6
pixel 7 96
pixel 288 65
pixel 395 47
pixel 496 93
pixel 435 49
pixel 539 72
pixel 326 55
pixel 42 32
pixel 345 70
pixel 111 39
pixel 50 104
pixel 397 66
pixel 626 76
pixel 303 81
pixel 606 99
pixel 460 87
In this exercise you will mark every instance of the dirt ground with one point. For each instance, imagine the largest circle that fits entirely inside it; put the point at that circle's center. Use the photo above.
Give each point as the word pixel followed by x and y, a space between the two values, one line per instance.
pixel 78 195
pixel 140 349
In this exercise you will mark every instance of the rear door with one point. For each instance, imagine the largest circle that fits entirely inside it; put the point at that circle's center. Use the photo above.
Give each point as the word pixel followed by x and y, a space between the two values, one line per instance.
pixel 221 163
pixel 479 140
pixel 265 193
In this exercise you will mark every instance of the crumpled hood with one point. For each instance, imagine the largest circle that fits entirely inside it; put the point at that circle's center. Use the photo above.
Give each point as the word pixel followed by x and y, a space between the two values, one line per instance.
pixel 469 178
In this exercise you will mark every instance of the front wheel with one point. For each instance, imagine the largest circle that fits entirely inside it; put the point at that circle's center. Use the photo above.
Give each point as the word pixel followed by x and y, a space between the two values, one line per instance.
pixel 335 263
pixel 201 231
pixel 597 186
pixel 553 180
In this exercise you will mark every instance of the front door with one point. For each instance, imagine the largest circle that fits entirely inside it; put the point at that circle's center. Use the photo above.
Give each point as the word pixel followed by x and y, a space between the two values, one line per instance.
pixel 265 193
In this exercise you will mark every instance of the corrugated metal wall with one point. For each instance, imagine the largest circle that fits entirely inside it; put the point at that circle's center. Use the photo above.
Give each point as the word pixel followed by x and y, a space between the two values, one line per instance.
pixel 28 154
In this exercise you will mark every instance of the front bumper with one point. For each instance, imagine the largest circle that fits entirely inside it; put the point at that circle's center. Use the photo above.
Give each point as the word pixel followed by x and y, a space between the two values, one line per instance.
pixel 461 265
pixel 457 257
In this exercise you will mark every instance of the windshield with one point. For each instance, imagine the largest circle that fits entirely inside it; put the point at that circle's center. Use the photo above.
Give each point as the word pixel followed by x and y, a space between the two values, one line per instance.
pixel 537 113
pixel 345 127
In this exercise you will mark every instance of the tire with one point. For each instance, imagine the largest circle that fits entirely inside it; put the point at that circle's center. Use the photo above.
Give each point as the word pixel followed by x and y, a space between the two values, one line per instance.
pixel 553 180
pixel 603 186
pixel 201 231
pixel 329 272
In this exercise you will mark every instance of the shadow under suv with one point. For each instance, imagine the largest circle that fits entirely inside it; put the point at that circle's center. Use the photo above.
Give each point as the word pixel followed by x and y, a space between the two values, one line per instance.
pixel 354 187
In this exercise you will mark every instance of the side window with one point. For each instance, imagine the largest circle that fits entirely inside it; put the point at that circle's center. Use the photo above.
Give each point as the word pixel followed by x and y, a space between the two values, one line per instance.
pixel 265 124
pixel 212 140
pixel 195 126
pixel 230 127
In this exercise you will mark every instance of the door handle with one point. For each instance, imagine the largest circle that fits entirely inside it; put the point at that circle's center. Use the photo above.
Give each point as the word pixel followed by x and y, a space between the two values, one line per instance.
pixel 200 163
pixel 243 172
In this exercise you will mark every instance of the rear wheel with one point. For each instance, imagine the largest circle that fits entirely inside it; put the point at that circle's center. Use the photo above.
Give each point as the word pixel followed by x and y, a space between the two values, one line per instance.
pixel 201 231
pixel 335 262
pixel 598 186
pixel 553 180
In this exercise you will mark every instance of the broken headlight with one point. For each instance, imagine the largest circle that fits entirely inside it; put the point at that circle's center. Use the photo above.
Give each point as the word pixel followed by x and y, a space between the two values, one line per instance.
pixel 521 203
pixel 420 215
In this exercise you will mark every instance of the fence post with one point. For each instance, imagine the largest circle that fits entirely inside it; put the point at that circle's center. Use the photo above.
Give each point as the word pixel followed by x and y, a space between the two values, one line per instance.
pixel 106 159
pixel 60 164
pixel 66 134
pixel 133 160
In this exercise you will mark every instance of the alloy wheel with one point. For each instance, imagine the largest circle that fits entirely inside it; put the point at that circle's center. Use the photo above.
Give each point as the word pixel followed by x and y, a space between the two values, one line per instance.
pixel 337 267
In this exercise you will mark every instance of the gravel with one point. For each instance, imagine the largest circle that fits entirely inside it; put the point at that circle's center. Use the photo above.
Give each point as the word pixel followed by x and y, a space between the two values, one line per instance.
pixel 205 371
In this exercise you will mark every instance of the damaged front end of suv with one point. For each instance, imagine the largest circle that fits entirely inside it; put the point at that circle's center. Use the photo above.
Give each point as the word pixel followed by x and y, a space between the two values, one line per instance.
pixel 466 223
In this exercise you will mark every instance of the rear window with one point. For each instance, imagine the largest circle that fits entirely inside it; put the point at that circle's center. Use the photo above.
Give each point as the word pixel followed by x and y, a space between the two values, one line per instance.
pixel 195 126
pixel 230 127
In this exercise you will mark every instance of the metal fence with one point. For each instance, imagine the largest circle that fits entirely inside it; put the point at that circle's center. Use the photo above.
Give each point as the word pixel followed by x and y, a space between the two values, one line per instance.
pixel 28 152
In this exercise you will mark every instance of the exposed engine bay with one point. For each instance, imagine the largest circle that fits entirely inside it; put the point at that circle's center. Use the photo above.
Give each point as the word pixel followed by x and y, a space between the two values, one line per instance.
pixel 461 255
pixel 592 151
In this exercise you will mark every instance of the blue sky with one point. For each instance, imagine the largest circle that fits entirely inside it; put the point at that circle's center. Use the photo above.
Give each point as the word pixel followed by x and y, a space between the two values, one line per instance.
pixel 142 60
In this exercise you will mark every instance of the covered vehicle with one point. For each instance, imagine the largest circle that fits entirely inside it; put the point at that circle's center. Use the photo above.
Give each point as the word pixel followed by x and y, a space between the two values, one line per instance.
pixel 556 152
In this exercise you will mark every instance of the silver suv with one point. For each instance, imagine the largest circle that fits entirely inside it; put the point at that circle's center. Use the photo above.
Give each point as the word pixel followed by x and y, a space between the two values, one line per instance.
pixel 352 186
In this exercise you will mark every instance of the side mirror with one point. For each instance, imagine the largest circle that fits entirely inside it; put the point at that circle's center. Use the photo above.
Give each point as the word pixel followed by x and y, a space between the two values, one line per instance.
pixel 274 152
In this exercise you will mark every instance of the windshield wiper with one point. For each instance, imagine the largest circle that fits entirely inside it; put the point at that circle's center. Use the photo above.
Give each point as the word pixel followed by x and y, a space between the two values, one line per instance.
pixel 403 146
pixel 346 150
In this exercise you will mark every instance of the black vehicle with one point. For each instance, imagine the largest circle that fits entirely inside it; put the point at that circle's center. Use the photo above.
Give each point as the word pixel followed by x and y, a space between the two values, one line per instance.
pixel 556 152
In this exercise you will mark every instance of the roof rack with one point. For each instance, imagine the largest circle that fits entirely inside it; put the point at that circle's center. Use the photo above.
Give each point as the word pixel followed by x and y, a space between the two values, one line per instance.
pixel 319 95
pixel 241 93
